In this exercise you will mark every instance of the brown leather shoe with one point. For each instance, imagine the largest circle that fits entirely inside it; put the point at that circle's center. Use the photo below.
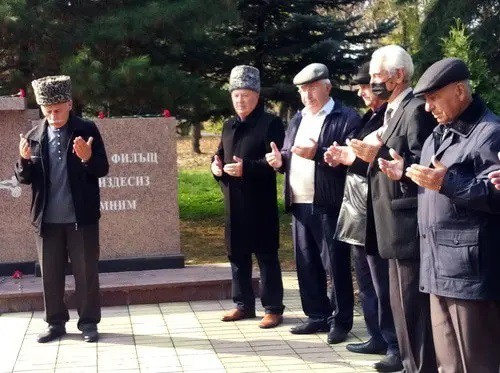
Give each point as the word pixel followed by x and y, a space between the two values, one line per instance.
pixel 236 314
pixel 270 320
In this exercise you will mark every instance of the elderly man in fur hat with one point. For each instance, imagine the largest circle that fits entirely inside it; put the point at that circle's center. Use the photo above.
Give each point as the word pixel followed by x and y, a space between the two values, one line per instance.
pixel 62 157
pixel 249 187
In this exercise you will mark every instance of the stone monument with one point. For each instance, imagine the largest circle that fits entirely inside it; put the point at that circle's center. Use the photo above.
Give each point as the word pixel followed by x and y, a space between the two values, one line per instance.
pixel 140 216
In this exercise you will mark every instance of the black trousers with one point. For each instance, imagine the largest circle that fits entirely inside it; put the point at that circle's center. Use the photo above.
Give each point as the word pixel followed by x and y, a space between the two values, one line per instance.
pixel 411 311
pixel 372 274
pixel 319 256
pixel 271 282
pixel 55 244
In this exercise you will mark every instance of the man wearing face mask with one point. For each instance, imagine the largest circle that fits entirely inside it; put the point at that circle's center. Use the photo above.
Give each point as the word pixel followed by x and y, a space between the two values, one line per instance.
pixel 392 205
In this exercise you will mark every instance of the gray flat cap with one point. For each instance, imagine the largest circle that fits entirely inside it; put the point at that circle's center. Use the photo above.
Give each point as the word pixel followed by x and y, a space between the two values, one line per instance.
pixel 440 74
pixel 244 77
pixel 311 73
pixel 363 74
pixel 52 90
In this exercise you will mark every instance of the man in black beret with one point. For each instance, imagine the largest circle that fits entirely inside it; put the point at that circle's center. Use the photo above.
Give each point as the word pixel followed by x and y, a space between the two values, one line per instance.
pixel 372 272
pixel 62 157
pixel 458 216
pixel 313 193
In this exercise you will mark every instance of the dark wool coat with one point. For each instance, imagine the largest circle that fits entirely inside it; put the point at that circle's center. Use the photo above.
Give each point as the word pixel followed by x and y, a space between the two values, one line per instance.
pixel 251 210
pixel 460 225
pixel 392 205
pixel 83 177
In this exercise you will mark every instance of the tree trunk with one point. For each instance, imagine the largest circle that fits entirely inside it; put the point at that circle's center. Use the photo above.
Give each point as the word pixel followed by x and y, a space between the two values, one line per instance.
pixel 196 136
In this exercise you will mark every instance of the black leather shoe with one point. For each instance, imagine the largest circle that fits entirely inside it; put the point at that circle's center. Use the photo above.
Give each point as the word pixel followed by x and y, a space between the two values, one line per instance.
pixel 336 335
pixel 52 332
pixel 369 347
pixel 390 363
pixel 310 328
pixel 90 334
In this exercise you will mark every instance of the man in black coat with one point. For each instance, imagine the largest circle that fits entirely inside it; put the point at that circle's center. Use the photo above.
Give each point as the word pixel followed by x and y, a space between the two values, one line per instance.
pixel 62 158
pixel 249 187
pixel 458 216
pixel 313 193
pixel 392 205
pixel 372 271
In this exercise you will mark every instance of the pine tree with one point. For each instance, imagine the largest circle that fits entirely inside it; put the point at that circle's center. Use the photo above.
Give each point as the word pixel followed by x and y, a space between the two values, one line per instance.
pixel 459 44
pixel 280 37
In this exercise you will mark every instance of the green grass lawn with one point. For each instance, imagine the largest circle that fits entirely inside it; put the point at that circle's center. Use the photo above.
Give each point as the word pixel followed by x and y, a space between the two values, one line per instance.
pixel 202 219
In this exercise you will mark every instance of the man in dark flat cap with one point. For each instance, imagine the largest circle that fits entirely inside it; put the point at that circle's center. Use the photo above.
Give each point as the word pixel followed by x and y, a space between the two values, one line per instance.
pixel 372 272
pixel 458 216
pixel 250 198
pixel 62 158
pixel 313 193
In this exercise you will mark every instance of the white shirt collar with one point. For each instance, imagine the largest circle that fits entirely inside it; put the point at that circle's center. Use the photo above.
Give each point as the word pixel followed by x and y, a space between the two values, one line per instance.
pixel 394 105
pixel 325 110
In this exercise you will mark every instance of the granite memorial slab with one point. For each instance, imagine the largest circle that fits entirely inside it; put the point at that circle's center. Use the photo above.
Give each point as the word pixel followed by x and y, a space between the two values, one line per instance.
pixel 139 227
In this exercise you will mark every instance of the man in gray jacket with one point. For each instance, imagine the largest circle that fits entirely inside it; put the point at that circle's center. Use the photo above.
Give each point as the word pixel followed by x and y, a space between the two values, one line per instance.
pixel 458 216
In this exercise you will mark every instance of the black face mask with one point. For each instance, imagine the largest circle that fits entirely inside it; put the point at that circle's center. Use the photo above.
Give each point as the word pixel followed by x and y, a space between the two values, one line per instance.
pixel 380 90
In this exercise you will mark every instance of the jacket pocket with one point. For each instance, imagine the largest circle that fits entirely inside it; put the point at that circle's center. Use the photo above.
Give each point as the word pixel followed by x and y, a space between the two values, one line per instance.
pixel 404 203
pixel 457 253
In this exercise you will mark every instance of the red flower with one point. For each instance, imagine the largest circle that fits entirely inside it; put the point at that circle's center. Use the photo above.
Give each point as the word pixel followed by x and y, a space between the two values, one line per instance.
pixel 101 115
pixel 166 113
pixel 17 274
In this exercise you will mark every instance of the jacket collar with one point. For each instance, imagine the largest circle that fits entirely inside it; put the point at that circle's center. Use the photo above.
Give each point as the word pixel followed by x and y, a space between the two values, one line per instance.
pixel 337 109
pixel 38 130
pixel 252 119
pixel 471 116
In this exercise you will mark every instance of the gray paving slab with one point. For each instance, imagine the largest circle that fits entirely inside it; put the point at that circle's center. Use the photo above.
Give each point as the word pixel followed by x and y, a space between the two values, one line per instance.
pixel 180 337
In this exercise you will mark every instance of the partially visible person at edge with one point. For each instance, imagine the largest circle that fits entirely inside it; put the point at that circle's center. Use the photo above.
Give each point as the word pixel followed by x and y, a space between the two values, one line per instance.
pixel 313 193
pixel 392 205
pixel 372 272
pixel 63 157
pixel 458 217
pixel 495 177
pixel 250 201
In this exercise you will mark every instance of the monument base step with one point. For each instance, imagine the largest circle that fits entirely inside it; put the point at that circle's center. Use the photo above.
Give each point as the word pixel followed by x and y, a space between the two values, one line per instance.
pixel 200 282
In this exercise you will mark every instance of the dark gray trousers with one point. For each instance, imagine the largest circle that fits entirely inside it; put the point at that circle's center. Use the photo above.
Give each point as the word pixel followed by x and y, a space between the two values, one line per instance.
pixel 55 244
pixel 412 319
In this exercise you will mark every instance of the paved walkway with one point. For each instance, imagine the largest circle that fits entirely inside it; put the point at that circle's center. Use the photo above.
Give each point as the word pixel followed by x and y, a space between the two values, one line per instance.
pixel 179 337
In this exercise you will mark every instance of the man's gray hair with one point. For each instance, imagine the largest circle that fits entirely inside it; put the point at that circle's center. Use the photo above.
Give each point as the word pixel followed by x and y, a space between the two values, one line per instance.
pixel 392 57
pixel 468 87
pixel 323 81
